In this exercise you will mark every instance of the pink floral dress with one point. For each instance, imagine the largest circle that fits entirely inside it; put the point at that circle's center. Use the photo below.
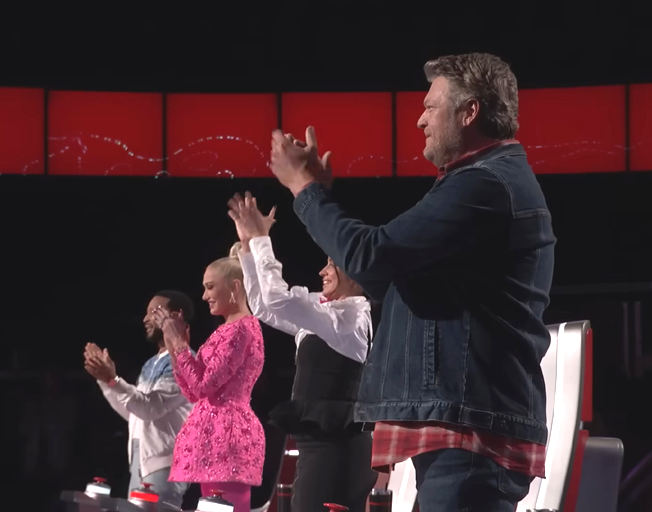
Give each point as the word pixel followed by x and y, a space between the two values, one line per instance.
pixel 222 439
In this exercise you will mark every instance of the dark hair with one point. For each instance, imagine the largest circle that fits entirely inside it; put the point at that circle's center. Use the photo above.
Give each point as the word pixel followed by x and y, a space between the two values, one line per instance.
pixel 487 79
pixel 178 301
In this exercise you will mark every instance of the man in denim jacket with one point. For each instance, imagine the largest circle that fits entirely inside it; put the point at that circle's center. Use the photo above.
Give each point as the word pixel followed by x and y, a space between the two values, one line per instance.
pixel 454 378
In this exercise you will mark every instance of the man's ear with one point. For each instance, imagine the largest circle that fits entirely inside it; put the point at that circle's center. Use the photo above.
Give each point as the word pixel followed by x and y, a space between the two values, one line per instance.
pixel 471 111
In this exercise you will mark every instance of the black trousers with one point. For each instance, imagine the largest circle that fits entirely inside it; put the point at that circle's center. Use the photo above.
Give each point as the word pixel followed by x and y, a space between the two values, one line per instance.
pixel 333 470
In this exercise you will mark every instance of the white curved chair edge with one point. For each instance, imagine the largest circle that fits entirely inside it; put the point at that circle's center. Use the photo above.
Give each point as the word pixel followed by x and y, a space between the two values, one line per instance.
pixel 263 508
pixel 565 423
pixel 549 369
pixel 403 484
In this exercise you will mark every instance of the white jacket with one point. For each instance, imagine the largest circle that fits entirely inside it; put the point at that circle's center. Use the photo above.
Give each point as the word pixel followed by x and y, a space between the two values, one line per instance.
pixel 155 409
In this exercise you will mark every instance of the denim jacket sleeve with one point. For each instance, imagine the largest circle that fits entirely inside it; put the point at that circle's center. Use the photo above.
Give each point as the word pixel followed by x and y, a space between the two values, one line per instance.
pixel 460 212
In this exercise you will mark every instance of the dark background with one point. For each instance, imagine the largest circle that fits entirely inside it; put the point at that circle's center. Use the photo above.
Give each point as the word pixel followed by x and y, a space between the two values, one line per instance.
pixel 81 257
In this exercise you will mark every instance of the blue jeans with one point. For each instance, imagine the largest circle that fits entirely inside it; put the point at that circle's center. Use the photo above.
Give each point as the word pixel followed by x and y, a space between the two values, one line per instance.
pixel 170 492
pixel 452 480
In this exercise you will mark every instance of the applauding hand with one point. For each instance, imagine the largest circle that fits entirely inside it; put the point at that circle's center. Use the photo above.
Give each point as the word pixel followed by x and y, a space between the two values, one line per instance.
pixel 98 363
pixel 296 164
pixel 176 333
pixel 249 222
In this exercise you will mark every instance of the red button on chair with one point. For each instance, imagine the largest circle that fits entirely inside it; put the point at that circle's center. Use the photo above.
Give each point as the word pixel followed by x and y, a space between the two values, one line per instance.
pixel 332 507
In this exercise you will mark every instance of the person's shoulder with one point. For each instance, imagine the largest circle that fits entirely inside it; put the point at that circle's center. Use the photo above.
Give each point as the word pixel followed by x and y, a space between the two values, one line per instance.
pixel 165 361
pixel 313 296
pixel 151 361
pixel 249 322
pixel 246 324
pixel 252 324
pixel 166 365
pixel 245 331
pixel 357 302
pixel 478 178
pixel 479 169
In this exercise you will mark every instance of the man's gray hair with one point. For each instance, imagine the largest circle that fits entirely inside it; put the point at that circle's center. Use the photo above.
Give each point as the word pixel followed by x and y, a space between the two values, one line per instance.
pixel 487 79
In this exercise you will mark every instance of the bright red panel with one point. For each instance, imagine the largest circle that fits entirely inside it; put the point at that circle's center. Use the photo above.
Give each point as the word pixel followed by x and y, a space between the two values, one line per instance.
pixel 21 131
pixel 640 127
pixel 356 127
pixel 573 130
pixel 220 134
pixel 105 133
pixel 410 140
pixel 573 490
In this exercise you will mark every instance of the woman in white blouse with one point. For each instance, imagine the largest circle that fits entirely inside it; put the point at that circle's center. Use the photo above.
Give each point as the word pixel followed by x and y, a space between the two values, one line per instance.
pixel 332 330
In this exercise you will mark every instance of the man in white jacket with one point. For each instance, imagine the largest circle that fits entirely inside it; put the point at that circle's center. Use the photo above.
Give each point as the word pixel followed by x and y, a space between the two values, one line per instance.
pixel 155 407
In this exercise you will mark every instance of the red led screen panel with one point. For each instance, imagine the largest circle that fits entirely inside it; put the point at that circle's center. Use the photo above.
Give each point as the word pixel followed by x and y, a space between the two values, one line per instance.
pixel 410 140
pixel 105 133
pixel 573 130
pixel 356 127
pixel 224 135
pixel 640 127
pixel 21 131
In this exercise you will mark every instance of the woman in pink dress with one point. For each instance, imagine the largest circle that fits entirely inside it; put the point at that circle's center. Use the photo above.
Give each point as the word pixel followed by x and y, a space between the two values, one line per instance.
pixel 222 444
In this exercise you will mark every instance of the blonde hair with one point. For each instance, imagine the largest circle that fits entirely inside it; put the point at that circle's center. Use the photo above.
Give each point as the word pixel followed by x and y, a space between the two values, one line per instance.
pixel 229 266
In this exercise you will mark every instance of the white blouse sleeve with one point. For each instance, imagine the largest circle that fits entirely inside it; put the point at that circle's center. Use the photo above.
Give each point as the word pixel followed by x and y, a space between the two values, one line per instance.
pixel 345 329
pixel 258 308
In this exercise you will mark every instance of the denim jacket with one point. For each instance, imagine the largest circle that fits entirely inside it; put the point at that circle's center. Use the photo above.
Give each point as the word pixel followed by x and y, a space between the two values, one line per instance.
pixel 465 277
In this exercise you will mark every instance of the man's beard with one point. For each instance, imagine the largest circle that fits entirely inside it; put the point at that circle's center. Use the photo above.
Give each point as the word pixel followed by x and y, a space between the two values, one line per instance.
pixel 448 147
pixel 156 338
pixel 447 151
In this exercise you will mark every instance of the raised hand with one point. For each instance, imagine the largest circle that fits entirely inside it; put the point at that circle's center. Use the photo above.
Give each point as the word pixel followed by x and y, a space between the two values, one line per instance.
pixel 249 221
pixel 296 166
pixel 174 327
pixel 325 176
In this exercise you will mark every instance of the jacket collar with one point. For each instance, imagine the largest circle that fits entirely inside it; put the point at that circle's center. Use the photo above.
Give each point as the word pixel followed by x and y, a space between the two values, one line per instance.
pixel 501 147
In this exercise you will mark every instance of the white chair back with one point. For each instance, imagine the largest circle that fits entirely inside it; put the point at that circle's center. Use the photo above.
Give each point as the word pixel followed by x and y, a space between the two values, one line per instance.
pixel 403 484
pixel 264 508
pixel 549 368
pixel 563 372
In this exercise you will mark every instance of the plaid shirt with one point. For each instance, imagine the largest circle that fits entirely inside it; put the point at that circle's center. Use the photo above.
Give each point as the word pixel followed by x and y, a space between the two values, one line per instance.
pixel 394 442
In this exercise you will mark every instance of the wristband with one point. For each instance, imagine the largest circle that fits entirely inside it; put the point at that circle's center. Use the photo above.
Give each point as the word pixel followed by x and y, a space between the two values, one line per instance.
pixel 114 381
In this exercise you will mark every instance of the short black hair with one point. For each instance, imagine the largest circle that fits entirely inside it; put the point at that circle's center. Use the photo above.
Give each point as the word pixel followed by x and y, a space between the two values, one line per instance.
pixel 178 301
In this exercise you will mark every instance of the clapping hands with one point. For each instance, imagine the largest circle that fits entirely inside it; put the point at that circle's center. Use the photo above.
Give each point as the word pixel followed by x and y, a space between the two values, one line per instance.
pixel 98 363
pixel 176 333
pixel 297 164
pixel 249 221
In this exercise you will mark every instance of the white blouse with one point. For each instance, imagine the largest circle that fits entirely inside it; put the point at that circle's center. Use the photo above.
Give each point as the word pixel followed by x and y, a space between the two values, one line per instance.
pixel 345 325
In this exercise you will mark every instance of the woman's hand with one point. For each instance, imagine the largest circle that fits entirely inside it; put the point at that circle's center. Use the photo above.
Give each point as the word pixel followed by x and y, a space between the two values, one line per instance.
pixel 175 330
pixel 249 222
pixel 242 233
